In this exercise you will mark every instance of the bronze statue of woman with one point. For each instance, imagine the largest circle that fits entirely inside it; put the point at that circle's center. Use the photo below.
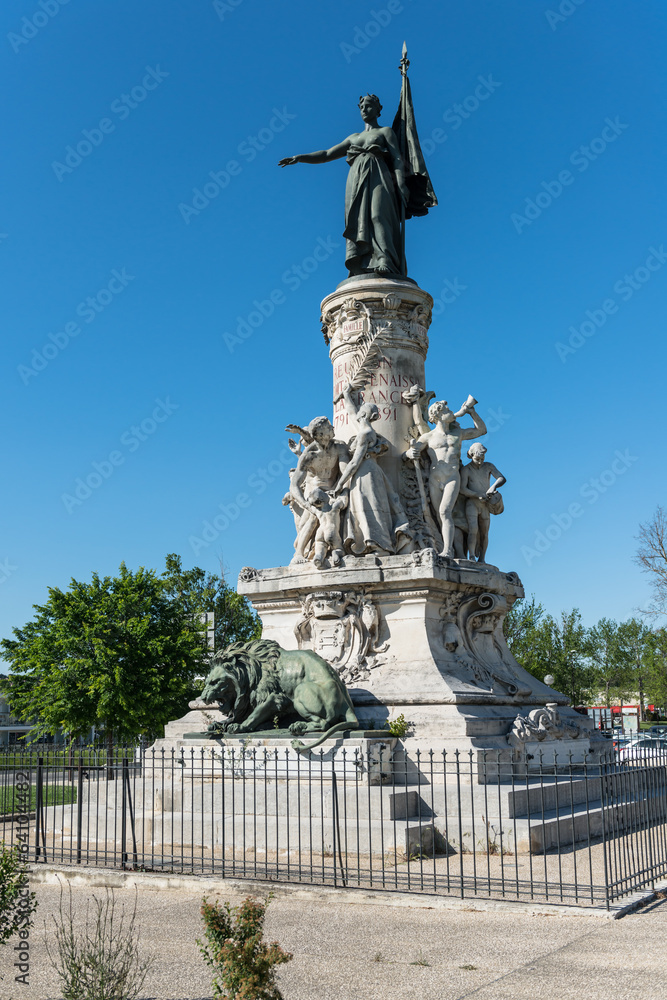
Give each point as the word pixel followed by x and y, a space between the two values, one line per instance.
pixel 375 194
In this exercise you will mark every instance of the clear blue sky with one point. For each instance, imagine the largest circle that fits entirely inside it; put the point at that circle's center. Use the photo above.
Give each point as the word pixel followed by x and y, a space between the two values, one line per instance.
pixel 171 92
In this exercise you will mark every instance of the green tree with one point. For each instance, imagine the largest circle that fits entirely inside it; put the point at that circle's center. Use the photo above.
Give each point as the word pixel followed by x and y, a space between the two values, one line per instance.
pixel 119 653
pixel 546 645
pixel 636 643
pixel 656 679
pixel 199 592
pixel 525 635
pixel 609 660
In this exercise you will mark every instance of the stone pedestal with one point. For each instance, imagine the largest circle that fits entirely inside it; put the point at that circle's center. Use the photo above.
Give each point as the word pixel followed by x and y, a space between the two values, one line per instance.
pixel 400 313
pixel 413 634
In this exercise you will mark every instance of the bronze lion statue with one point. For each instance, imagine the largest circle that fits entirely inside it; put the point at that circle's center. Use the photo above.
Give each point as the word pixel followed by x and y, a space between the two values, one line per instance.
pixel 253 682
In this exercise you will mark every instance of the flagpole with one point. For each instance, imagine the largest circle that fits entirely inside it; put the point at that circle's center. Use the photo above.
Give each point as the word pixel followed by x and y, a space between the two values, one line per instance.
pixel 403 66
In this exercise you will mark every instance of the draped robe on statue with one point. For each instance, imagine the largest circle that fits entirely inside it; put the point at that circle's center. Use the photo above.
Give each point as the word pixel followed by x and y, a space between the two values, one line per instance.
pixel 374 519
pixel 372 221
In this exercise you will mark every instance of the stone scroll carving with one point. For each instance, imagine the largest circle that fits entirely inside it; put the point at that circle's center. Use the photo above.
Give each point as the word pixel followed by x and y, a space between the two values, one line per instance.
pixel 402 321
pixel 543 724
pixel 343 627
pixel 472 635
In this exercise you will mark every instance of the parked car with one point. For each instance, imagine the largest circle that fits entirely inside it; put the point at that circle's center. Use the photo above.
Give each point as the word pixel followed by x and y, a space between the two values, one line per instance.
pixel 643 751
pixel 622 739
pixel 658 730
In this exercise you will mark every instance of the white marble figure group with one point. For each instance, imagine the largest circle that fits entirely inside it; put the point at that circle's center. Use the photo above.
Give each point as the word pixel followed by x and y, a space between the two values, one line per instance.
pixel 345 504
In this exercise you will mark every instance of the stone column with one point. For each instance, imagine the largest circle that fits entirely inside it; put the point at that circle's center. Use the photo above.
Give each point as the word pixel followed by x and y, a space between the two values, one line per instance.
pixel 401 311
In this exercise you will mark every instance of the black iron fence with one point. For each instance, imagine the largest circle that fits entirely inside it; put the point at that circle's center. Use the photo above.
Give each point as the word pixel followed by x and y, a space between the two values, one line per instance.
pixel 566 828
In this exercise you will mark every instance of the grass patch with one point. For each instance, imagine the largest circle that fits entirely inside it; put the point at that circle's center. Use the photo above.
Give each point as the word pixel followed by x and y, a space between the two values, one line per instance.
pixel 23 757
pixel 54 795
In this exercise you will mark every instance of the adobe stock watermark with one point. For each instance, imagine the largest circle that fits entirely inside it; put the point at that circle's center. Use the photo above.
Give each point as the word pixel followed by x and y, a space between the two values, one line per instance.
pixel 566 9
pixel 225 7
pixel 130 441
pixel 31 26
pixel 22 790
pixel 590 491
pixel 229 513
pixel 581 158
pixel 6 570
pixel 625 288
pixel 451 290
pixel 122 107
pixel 88 310
pixel 291 279
pixel 364 34
pixel 457 113
pixel 249 149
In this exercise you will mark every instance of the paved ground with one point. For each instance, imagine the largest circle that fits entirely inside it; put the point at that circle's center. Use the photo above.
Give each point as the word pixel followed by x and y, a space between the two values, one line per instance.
pixel 346 950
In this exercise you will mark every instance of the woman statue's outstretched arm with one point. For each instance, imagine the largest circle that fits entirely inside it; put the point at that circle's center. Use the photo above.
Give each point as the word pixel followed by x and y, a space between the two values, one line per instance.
pixel 321 156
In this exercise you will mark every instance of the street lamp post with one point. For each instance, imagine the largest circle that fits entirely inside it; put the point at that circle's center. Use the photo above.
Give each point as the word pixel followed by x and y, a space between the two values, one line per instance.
pixel 571 653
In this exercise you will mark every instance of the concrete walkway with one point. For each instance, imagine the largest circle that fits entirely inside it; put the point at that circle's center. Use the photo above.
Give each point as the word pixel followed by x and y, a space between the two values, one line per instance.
pixel 345 950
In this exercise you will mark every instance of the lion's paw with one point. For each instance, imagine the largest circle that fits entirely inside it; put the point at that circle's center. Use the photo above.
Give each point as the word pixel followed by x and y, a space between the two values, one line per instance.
pixel 233 727
pixel 297 728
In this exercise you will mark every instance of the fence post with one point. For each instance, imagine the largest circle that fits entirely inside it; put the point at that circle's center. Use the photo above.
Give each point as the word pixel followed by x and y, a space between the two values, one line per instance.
pixel 79 809
pixel 39 814
pixel 336 828
pixel 123 817
pixel 126 784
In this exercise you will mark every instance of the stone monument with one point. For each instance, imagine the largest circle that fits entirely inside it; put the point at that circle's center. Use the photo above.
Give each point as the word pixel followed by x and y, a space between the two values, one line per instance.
pixel 388 582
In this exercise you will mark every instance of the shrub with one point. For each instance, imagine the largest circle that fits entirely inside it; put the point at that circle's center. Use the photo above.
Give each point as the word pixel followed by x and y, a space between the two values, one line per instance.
pixel 102 961
pixel 243 963
pixel 399 727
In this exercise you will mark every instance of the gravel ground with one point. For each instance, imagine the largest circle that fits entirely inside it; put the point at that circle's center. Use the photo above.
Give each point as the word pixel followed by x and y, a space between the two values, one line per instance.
pixel 345 950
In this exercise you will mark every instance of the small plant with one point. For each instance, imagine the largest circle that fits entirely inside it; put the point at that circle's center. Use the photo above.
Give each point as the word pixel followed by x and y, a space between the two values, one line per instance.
pixel 243 963
pixel 399 727
pixel 421 960
pixel 468 968
pixel 276 722
pixel 17 904
pixel 378 957
pixel 102 961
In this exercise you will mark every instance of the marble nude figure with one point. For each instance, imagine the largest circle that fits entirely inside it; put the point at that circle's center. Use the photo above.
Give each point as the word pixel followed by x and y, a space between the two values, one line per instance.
pixel 481 499
pixel 443 444
pixel 342 501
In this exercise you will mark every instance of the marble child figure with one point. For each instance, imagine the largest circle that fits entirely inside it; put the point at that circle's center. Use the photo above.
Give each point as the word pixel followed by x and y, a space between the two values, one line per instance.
pixel 319 467
pixel 327 538
pixel 481 499
pixel 443 444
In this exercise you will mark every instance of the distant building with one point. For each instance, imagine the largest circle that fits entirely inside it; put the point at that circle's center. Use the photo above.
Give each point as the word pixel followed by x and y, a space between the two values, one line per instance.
pixel 11 730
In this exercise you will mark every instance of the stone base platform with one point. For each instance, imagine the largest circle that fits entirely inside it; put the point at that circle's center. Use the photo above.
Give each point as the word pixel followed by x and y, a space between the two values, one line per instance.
pixel 414 635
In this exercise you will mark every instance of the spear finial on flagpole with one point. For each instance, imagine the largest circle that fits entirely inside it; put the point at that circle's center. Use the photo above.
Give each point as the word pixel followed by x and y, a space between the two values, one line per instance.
pixel 405 62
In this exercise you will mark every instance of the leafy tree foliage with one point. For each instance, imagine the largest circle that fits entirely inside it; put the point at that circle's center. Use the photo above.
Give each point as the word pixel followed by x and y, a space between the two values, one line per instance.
pixel 120 653
pixel 609 662
pixel 546 645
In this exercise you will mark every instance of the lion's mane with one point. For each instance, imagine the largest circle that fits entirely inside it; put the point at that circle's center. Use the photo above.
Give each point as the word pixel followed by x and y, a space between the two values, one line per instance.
pixel 251 667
